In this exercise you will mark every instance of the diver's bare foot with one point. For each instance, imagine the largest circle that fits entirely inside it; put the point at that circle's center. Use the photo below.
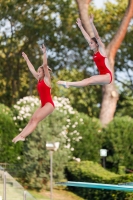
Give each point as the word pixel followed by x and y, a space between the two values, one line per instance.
pixel 63 83
pixel 18 138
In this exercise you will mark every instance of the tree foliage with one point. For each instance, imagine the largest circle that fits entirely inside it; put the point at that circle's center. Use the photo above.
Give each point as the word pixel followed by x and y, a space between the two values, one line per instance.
pixel 8 152
pixel 118 142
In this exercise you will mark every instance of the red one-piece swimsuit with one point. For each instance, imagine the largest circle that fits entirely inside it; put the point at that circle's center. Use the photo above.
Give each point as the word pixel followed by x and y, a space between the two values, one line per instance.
pixel 100 63
pixel 44 93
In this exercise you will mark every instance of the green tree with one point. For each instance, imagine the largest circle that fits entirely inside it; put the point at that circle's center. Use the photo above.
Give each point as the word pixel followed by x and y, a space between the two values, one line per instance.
pixel 125 104
pixel 8 152
pixel 118 142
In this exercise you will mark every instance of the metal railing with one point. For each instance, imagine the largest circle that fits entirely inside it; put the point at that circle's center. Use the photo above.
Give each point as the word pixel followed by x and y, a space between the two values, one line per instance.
pixel 10 189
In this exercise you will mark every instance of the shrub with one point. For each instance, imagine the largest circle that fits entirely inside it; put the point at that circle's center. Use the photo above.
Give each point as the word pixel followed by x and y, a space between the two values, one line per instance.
pixel 87 138
pixel 119 143
pixel 8 152
pixel 88 171
pixel 23 110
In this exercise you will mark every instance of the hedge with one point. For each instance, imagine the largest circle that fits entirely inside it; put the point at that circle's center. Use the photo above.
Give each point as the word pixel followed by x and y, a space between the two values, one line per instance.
pixel 88 171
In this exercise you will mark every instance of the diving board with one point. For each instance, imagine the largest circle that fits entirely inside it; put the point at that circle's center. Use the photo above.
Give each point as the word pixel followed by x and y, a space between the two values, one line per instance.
pixel 120 187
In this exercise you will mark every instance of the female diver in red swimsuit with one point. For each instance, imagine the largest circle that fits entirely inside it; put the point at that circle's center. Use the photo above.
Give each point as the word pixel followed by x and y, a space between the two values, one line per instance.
pixel 44 89
pixel 99 57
